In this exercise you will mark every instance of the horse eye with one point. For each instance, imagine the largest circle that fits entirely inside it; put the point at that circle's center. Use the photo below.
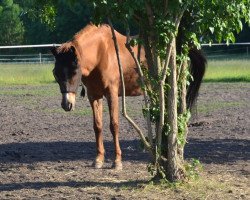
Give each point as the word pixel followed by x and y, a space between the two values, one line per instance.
pixel 74 63
pixel 56 78
pixel 55 75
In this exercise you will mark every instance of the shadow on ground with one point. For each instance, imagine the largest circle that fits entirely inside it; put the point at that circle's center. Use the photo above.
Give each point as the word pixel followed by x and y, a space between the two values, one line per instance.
pixel 217 151
pixel 73 184
pixel 213 151
pixel 66 151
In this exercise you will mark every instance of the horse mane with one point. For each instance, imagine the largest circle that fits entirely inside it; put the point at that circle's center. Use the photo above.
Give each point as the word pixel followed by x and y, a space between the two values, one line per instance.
pixel 89 30
pixel 64 47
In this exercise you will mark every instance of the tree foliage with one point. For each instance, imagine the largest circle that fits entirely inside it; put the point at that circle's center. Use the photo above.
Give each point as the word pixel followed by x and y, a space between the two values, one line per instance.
pixel 12 29
pixel 36 22
pixel 45 21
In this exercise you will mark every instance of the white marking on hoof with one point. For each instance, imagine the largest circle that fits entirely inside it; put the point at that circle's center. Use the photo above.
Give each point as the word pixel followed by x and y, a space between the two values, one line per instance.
pixel 117 165
pixel 98 164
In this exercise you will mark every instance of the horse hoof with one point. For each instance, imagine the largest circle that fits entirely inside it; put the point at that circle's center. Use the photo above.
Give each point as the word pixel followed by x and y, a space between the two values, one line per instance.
pixel 98 164
pixel 117 165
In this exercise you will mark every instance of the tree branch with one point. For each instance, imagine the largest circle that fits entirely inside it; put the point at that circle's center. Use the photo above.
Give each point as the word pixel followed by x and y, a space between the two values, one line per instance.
pixel 120 67
pixel 149 55
pixel 166 6
pixel 162 98
pixel 167 59
pixel 141 76
pixel 145 142
pixel 150 15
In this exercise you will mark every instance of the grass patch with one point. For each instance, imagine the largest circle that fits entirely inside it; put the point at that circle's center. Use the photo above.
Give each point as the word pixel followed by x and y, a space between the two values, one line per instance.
pixel 212 106
pixel 47 90
pixel 228 71
pixel 36 74
pixel 205 187
pixel 77 112
pixel 29 74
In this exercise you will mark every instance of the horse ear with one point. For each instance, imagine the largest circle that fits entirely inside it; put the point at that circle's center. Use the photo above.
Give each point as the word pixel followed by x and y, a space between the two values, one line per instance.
pixel 53 51
pixel 73 50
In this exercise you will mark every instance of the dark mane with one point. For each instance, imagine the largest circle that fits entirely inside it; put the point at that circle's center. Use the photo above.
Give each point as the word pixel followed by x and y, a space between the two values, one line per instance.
pixel 90 29
pixel 64 47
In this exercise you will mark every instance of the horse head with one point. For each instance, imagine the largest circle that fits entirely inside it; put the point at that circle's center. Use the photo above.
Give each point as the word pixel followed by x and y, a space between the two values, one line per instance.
pixel 67 74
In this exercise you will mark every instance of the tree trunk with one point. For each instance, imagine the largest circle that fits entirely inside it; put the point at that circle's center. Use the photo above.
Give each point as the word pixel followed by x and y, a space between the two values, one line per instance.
pixel 183 105
pixel 172 167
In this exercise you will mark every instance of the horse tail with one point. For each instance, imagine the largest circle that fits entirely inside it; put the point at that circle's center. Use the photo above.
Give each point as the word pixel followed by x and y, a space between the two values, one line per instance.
pixel 197 70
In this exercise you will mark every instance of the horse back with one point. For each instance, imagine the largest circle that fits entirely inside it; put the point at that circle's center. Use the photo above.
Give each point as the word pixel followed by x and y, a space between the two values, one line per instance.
pixel 130 71
pixel 100 60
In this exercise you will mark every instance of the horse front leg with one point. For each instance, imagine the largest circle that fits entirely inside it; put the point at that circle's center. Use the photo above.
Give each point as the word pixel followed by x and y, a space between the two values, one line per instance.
pixel 97 107
pixel 113 104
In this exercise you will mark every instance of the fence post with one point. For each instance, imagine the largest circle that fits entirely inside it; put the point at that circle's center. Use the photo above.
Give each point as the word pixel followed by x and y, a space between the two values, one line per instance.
pixel 40 58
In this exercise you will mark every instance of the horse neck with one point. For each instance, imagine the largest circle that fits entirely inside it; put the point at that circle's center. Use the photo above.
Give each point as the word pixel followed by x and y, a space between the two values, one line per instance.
pixel 87 47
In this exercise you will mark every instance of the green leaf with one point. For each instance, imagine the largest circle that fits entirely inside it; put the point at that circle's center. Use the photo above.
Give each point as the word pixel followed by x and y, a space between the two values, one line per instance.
pixel 211 29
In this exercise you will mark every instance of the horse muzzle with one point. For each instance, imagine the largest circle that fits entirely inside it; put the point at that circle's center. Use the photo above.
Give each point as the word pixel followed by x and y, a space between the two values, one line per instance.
pixel 68 101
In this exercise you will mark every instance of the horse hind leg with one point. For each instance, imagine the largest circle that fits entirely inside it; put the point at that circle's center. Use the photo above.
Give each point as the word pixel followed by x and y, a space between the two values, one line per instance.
pixel 114 128
pixel 83 92
pixel 97 108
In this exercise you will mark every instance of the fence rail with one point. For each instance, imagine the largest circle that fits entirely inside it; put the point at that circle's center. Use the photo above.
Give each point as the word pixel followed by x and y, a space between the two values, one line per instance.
pixel 18 54
pixel 29 46
pixel 27 58
pixel 235 51
pixel 30 54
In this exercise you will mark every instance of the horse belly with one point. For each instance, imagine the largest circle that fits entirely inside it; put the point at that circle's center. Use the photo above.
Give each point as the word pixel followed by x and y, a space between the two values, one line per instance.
pixel 132 86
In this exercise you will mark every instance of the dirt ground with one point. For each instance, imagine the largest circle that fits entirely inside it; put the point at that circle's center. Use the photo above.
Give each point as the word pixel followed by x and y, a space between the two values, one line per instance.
pixel 46 153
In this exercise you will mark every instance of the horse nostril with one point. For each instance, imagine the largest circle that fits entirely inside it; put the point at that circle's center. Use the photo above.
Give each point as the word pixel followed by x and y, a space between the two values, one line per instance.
pixel 66 106
pixel 70 106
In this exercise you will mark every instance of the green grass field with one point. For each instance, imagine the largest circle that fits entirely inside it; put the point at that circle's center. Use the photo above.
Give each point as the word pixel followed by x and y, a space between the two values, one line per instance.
pixel 217 71
pixel 22 74
pixel 228 71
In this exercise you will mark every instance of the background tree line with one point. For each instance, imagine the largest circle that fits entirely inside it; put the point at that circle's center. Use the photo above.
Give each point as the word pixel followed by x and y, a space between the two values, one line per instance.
pixel 21 22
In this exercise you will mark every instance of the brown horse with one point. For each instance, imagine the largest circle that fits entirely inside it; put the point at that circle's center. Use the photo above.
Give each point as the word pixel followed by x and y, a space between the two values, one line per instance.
pixel 90 57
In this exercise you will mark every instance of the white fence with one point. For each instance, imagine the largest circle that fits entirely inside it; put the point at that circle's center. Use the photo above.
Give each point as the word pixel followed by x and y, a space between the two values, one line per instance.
pixel 20 55
pixel 233 51
pixel 30 54
pixel 27 58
